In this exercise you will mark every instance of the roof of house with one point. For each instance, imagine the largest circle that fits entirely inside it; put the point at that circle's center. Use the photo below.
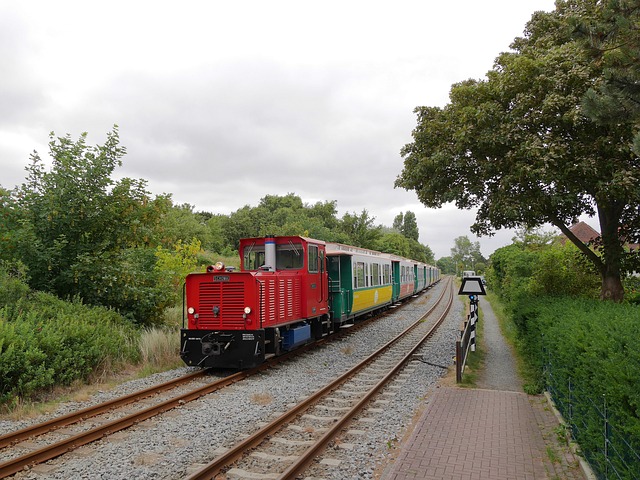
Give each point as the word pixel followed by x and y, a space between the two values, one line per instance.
pixel 584 232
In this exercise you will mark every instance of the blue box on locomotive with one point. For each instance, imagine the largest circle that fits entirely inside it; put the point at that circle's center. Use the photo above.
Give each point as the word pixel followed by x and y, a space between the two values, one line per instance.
pixel 295 337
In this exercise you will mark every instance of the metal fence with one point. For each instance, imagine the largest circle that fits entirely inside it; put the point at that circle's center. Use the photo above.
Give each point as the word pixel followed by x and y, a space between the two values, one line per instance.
pixel 594 426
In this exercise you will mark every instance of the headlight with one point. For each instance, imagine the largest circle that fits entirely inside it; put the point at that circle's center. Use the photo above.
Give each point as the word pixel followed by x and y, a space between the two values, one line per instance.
pixel 247 310
pixel 191 310
pixel 219 266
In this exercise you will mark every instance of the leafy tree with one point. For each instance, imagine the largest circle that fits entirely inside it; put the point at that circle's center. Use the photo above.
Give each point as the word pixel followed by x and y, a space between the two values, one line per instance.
pixel 466 253
pixel 243 223
pixel 10 216
pixel 446 265
pixel 217 242
pixel 360 229
pixel 288 215
pixel 410 226
pixel 173 265
pixel 420 252
pixel 519 147
pixel 398 222
pixel 395 243
pixel 181 225
pixel 612 33
pixel 407 225
pixel 533 238
pixel 84 234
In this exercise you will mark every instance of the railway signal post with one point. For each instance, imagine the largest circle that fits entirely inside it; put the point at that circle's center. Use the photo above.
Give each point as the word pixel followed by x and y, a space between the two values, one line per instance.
pixel 471 286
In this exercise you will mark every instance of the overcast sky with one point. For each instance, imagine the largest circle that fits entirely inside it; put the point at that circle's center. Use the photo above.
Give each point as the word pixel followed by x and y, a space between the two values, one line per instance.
pixel 222 103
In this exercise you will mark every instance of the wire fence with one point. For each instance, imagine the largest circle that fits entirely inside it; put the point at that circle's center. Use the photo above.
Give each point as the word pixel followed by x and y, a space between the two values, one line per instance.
pixel 603 439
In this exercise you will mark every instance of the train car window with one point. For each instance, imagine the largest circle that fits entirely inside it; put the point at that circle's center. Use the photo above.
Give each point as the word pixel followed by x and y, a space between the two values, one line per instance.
pixel 313 259
pixel 375 274
pixel 367 273
pixel 359 276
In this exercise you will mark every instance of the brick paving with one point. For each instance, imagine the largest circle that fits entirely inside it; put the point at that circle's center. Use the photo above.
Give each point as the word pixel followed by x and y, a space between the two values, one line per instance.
pixel 486 434
pixel 474 434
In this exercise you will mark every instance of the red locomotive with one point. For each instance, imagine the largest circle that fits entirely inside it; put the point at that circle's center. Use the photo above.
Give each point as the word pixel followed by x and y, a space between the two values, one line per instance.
pixel 279 300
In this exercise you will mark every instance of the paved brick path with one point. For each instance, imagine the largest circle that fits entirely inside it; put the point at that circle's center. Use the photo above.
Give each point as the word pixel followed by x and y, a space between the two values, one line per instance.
pixel 474 434
pixel 491 433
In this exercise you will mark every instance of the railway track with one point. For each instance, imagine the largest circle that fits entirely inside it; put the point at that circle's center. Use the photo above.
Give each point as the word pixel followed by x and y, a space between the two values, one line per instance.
pixel 52 448
pixel 272 453
pixel 54 437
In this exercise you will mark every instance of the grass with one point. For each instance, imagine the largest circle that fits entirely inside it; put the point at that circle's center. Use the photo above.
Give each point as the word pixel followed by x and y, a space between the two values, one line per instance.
pixel 159 349
pixel 553 455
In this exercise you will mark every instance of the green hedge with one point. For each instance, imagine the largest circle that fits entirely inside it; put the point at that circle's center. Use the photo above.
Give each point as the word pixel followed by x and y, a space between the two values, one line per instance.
pixel 45 341
pixel 588 354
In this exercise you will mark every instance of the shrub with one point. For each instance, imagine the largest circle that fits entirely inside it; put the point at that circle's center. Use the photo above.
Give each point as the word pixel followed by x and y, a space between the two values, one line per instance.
pixel 588 350
pixel 45 341
pixel 632 290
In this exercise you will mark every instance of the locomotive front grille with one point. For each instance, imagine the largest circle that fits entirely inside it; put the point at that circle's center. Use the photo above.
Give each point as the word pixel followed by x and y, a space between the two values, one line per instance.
pixel 221 305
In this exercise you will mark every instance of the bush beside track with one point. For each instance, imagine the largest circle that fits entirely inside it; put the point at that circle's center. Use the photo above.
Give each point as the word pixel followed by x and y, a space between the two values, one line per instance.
pixel 586 353
pixel 47 342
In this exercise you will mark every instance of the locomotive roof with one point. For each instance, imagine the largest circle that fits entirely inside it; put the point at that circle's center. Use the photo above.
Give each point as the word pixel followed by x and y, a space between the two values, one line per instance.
pixel 286 237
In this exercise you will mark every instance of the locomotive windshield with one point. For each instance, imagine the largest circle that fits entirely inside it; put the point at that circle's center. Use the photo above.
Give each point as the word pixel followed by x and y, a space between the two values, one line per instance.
pixel 288 257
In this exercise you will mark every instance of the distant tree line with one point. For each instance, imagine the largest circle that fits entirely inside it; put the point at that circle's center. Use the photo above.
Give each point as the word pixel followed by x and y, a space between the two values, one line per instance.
pixel 74 231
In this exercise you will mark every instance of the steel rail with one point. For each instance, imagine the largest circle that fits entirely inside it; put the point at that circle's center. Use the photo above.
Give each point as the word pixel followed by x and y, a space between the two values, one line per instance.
pixel 61 421
pixel 238 450
pixel 51 451
pixel 307 457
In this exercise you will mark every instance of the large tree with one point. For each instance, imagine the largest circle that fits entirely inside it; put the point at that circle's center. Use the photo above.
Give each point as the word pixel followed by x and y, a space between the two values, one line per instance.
pixel 82 233
pixel 466 253
pixel 519 147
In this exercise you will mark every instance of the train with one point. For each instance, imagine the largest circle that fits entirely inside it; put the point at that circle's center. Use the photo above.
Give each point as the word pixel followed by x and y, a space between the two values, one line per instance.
pixel 289 291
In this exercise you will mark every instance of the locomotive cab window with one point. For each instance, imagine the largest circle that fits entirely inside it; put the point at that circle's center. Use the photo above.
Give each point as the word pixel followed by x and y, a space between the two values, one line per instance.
pixel 313 259
pixel 289 256
pixel 253 258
